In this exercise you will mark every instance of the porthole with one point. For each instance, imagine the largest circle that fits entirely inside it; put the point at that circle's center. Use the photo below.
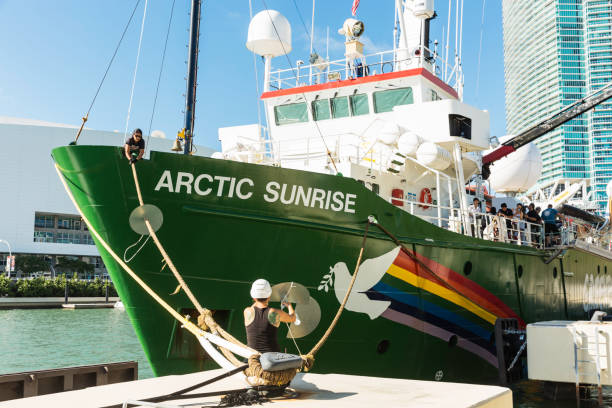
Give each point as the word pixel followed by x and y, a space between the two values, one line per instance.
pixel 467 268
pixel 520 271
pixel 555 272
pixel 452 342
pixel 382 347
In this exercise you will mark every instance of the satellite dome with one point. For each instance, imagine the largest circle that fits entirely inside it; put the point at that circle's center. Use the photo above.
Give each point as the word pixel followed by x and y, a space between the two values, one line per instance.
pixel 269 34
pixel 518 171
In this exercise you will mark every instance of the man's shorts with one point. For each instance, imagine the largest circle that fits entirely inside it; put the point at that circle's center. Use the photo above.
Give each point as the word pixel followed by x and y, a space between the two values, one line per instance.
pixel 550 228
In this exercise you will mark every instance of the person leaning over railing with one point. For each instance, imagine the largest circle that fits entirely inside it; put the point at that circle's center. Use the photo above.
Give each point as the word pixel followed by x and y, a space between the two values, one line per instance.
pixel 507 214
pixel 534 217
pixel 519 224
pixel 475 216
pixel 486 220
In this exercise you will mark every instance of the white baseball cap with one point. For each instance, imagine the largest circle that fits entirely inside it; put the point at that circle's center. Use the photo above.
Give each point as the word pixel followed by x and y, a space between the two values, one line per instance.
pixel 261 289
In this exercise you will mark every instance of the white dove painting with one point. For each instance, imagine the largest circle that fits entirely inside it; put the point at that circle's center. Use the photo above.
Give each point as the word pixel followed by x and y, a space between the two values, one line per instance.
pixel 370 272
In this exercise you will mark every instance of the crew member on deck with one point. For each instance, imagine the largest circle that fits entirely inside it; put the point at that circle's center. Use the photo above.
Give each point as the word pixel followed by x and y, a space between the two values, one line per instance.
pixel 261 321
pixel 134 146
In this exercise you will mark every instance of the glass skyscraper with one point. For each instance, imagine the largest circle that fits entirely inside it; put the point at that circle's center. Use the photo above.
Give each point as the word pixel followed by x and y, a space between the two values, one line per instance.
pixel 555 53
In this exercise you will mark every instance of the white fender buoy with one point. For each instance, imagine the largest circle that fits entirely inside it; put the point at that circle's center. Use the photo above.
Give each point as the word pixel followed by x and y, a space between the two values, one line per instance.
pixel 408 143
pixel 389 133
pixel 434 156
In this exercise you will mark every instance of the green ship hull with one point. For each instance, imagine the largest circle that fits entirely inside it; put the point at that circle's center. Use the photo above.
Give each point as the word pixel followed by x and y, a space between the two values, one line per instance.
pixel 226 224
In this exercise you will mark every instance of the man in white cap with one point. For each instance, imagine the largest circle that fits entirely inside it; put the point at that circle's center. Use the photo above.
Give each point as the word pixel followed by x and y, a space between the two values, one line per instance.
pixel 261 321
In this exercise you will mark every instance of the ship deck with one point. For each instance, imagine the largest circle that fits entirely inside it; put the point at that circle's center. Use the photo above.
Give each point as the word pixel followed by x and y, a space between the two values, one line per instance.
pixel 330 390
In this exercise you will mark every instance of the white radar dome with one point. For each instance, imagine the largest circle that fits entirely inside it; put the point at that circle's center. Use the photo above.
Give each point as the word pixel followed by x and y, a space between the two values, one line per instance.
pixel 423 9
pixel 518 171
pixel 269 34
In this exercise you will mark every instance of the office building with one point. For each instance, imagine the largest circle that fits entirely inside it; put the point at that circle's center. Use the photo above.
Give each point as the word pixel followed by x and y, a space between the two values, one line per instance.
pixel 555 53
pixel 36 215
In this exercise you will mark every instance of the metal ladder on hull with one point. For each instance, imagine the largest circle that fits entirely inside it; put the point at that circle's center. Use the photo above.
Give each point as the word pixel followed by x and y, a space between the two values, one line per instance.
pixel 590 340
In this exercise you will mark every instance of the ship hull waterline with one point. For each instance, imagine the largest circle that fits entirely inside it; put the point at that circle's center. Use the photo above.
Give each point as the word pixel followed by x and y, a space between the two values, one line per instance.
pixel 227 223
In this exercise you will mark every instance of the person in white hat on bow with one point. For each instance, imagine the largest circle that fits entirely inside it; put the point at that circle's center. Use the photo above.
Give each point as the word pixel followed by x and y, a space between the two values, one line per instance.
pixel 262 321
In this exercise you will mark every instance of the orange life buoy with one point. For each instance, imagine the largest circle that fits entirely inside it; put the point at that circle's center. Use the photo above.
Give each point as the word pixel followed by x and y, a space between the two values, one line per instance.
pixel 425 198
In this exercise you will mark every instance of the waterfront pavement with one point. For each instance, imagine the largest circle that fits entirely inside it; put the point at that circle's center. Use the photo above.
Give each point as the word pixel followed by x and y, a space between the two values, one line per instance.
pixel 49 302
pixel 314 390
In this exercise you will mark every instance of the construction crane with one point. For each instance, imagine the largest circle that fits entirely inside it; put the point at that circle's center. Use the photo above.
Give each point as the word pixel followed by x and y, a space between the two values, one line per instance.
pixel 570 112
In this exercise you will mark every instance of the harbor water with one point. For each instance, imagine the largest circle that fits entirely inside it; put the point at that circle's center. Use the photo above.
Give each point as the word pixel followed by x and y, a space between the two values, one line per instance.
pixel 42 339
pixel 52 338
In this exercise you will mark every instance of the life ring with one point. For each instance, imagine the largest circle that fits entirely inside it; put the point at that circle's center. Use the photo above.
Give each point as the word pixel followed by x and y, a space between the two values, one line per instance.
pixel 425 198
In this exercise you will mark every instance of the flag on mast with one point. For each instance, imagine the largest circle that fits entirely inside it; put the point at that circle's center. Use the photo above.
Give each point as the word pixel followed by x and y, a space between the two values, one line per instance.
pixel 355 5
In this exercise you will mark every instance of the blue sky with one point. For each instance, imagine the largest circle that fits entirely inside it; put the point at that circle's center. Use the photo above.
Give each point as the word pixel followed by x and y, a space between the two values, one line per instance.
pixel 54 53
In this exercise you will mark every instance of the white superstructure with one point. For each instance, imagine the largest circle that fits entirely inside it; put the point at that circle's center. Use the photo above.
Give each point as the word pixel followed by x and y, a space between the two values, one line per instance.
pixel 394 121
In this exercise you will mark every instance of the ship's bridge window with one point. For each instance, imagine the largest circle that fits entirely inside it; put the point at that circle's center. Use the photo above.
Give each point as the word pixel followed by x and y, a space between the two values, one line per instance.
pixel 359 104
pixel 320 109
pixel 384 101
pixel 340 107
pixel 291 113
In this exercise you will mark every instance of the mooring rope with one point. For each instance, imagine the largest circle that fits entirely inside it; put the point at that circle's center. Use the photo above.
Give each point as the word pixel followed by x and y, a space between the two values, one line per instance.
pixel 232 344
pixel 195 330
pixel 169 262
pixel 137 251
pixel 207 320
pixel 309 358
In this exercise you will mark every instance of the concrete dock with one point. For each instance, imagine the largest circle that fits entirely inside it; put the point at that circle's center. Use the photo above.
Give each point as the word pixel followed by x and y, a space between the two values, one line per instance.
pixel 50 302
pixel 314 390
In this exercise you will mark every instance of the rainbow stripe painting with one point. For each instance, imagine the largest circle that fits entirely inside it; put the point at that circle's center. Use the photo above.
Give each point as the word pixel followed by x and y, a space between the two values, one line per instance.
pixel 415 291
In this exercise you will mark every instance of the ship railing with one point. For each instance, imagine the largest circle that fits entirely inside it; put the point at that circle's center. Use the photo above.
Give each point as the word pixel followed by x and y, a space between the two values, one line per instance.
pixel 306 149
pixel 485 226
pixel 323 71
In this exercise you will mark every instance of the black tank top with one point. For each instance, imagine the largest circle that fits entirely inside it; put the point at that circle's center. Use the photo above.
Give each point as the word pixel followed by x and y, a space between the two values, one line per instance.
pixel 261 335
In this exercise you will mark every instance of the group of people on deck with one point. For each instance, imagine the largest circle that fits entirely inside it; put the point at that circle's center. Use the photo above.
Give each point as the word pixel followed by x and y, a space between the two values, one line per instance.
pixel 511 224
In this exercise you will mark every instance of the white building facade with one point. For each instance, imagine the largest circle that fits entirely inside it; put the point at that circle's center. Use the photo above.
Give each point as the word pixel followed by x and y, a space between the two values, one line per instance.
pixel 36 215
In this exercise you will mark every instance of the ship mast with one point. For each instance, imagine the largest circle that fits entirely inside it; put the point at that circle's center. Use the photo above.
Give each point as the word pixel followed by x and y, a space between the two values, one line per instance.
pixel 192 74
